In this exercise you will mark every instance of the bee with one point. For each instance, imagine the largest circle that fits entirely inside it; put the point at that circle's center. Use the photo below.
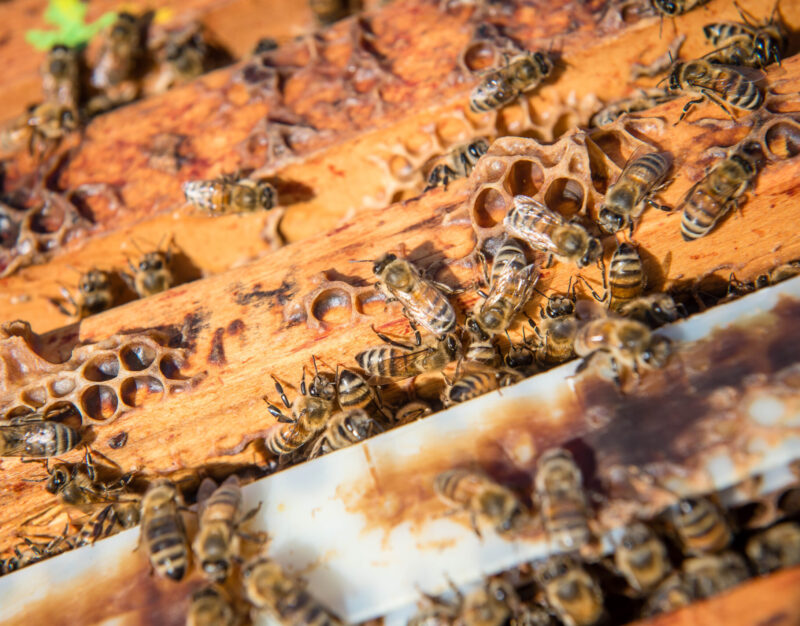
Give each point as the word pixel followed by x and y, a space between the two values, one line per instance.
pixel 94 295
pixel 721 84
pixel 476 383
pixel 121 53
pixel 411 412
pixel 670 595
pixel 422 300
pixel 628 344
pixel 558 489
pixel 398 360
pixel 33 436
pixel 626 278
pixel 270 589
pixel 329 11
pixel 152 274
pixel 482 352
pixel 654 310
pixel 641 557
pixel 532 614
pixel 458 163
pixel 163 531
pixel 229 194
pixel 61 77
pixel 556 331
pixel 310 414
pixel 492 604
pixel 570 591
pixel 699 526
pixel 713 196
pixel 711 574
pixel 41 128
pixel 671 8
pixel 765 43
pixel 644 100
pixel 481 497
pixel 344 429
pixel 353 392
pixel 778 274
pixel 520 356
pixel 210 606
pixel 185 53
pixel 546 231
pixel 503 85
pixel 626 199
pixel 775 548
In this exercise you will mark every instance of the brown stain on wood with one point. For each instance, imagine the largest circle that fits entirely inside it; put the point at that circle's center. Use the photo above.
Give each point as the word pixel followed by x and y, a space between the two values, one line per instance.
pixel 216 355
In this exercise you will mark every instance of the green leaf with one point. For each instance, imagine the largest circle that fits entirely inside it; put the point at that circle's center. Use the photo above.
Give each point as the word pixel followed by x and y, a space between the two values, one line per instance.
pixel 72 30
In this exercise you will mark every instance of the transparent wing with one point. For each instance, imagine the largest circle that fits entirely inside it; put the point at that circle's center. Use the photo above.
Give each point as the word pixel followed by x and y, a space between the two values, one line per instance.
pixel 533 222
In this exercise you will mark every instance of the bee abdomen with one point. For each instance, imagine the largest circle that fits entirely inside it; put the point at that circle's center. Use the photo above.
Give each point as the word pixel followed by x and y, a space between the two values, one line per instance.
pixel 168 551
pixel 700 214
pixel 206 195
pixel 746 95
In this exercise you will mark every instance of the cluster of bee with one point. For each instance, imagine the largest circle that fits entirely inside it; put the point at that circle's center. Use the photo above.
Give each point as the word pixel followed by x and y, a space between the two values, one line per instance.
pixel 129 54
pixel 691 551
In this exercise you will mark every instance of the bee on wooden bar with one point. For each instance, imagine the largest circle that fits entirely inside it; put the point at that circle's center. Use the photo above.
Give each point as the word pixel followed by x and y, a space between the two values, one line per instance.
pixel 721 189
pixel 503 85
pixel 186 52
pixel 60 72
pixel 395 360
pixel 476 383
pixel 654 310
pixel 152 274
pixel 670 595
pixel 778 274
pixel 672 8
pixel 721 84
pixel 229 194
pixel 40 128
pixel 626 278
pixel 764 42
pixel 547 231
pixel 353 392
pixel 482 352
pixel 458 163
pixel 162 530
pixel 422 299
pixel 481 497
pixel 216 545
pixel 121 53
pixel 775 548
pixel 556 331
pixel 211 606
pixel 94 295
pixel 492 604
pixel 270 589
pixel 344 429
pixel 521 356
pixel 711 574
pixel 570 591
pixel 626 199
pixel 33 436
pixel 411 412
pixel 700 526
pixel 644 100
pixel 641 557
pixel 558 489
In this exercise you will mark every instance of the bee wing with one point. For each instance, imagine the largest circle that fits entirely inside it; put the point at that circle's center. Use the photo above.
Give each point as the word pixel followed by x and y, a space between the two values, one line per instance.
pixel 536 235
pixel 424 303
pixel 12 440
pixel 204 492
pixel 516 287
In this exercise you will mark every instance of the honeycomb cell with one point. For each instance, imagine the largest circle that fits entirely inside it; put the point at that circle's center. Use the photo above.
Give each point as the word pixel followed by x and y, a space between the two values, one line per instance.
pixel 782 140
pixel 46 219
pixel 137 356
pixel 61 387
pixel 524 178
pixel 490 207
pixel 170 367
pixel 101 368
pixel 480 56
pixel 332 307
pixel 137 390
pixel 36 396
pixel 565 195
pixel 400 167
pixel 99 402
pixel 493 170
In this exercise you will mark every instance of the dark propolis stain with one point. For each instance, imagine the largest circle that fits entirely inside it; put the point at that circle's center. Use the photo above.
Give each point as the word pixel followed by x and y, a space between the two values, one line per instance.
pixel 216 355
pixel 118 441
pixel 183 336
pixel 258 296
pixel 236 327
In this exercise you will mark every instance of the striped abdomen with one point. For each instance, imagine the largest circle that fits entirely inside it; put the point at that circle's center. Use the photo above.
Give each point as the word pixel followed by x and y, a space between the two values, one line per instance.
pixel 164 534
pixel 297 607
pixel 510 257
pixel 565 519
pixel 431 309
pixel 388 362
pixel 353 391
pixel 344 430
pixel 470 386
pixel 646 172
pixel 625 276
pixel 483 352
pixel 735 88
pixel 459 486
pixel 286 438
pixel 700 526
pixel 558 342
pixel 721 31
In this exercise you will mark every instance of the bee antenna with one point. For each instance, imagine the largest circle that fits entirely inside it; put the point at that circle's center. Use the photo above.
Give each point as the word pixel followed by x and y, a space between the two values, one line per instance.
pixel 361 261
pixel 541 293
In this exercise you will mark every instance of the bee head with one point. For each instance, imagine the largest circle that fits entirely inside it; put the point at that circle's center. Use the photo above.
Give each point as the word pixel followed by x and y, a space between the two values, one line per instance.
pixel 358 423
pixel 266 195
pixel 544 63
pixel 667 7
pixel 473 327
pixel 657 352
pixel 57 480
pixel 94 280
pixel 609 221
pixel 554 568
pixel 452 346
pixel 593 252
pixel 382 263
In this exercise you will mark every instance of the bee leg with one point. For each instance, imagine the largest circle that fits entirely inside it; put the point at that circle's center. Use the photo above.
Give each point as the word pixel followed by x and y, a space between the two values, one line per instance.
pixel 249 515
pixel 392 342
pixel 720 103
pixel 473 520
pixel 686 108
pixel 279 389
pixel 615 371
pixel 595 295
pixel 434 178
pixel 276 412
pixel 484 266
pixel 549 262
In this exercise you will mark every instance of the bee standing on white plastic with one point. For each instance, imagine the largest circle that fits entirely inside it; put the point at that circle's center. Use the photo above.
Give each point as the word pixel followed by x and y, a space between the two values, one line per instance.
pixel 94 295
pixel 476 382
pixel 491 604
pixel 458 163
pixel 481 497
pixel 626 199
pixel 654 310
pixel 163 532
pixel 411 412
pixel 210 606
pixel 775 548
pixel 229 194
pixel 712 197
pixel 503 85
pixel 547 231
pixel 700 526
pixel 570 591
pixel 641 557
pixel 345 428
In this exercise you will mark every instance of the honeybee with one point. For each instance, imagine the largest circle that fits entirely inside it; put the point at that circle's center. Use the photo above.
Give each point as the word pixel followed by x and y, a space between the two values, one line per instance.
pixel 94 295
pixel 227 194
pixel 482 352
pixel 395 360
pixel 310 415
pixel 216 545
pixel 654 310
pixel 41 128
pixel 121 52
pixel 778 274
pixel 570 591
pixel 626 199
pixel 353 392
pixel 476 383
pixel 458 163
pixel 711 574
pixel 670 595
pixel 411 412
pixel 775 548
pixel 676 7
pixel 626 278
pixel 641 558
pixel 492 604
pixel 481 497
pixel 721 84
pixel 344 429
pixel 34 436
pixel 765 42
pixel 422 300
pixel 699 525
pixel 644 100
pixel 270 589
pixel 210 606
pixel 532 614
pixel 558 489
pixel 185 53
pixel 163 531
pixel 546 231
pixel 712 197
pixel 628 344
pixel 556 331
pixel 436 611
pixel 60 72
pixel 152 274
pixel 503 85
pixel 329 11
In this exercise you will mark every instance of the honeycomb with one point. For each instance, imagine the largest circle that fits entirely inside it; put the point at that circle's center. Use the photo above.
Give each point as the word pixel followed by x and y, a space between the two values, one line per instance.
pixel 332 303
pixel 100 380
